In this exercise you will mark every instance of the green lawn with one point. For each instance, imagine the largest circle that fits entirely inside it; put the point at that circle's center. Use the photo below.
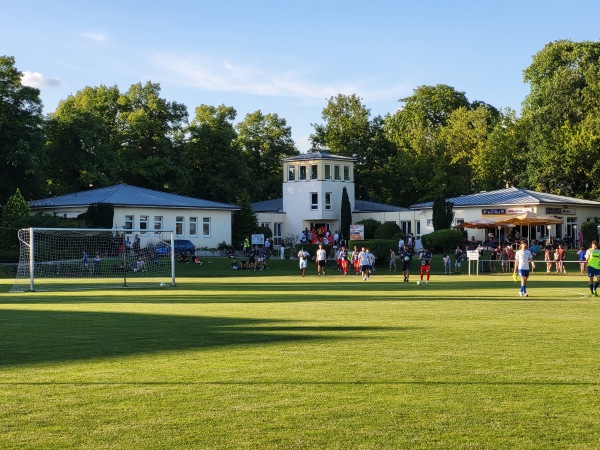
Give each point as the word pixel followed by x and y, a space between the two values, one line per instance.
pixel 270 360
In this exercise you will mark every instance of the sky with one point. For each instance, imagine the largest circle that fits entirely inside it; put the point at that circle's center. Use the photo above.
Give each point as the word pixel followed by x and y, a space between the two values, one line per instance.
pixel 288 57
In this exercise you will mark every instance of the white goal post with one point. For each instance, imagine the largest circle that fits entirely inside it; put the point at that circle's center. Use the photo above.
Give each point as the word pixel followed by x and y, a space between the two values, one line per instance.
pixel 53 259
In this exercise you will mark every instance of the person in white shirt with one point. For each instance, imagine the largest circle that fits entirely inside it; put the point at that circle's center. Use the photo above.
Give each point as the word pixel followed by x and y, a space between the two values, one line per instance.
pixel 321 260
pixel 523 258
pixel 303 258
pixel 364 261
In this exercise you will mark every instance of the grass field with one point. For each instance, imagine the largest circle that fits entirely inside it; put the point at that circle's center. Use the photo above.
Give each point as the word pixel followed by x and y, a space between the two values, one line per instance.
pixel 270 360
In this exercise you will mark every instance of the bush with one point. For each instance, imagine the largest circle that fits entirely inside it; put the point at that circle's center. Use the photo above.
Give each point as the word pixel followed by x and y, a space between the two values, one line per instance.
pixel 442 240
pixel 387 230
pixel 264 230
pixel 371 226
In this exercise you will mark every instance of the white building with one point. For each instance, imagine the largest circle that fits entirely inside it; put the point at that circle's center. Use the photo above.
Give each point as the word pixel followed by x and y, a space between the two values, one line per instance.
pixel 203 222
pixel 312 193
pixel 313 185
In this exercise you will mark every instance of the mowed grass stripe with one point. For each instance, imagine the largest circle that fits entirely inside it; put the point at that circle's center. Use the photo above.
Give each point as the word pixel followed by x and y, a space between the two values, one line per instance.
pixel 283 362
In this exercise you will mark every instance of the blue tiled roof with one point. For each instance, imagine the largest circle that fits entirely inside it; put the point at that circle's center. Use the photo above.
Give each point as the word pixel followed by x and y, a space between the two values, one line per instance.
pixel 274 205
pixel 318 155
pixel 510 196
pixel 125 195
pixel 366 206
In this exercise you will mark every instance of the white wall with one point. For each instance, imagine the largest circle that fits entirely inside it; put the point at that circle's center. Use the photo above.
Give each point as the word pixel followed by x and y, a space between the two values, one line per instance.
pixel 220 223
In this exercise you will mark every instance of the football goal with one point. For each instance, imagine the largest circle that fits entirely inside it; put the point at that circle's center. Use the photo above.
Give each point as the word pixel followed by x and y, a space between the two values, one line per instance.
pixel 53 259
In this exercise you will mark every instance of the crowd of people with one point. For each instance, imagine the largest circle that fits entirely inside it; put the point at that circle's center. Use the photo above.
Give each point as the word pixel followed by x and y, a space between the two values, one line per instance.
pixel 321 235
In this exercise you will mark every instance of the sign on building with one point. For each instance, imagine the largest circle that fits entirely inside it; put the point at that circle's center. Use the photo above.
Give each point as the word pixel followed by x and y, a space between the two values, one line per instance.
pixel 258 239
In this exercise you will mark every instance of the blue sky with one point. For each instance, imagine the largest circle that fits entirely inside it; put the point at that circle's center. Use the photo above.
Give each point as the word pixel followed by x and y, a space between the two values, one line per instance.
pixel 288 57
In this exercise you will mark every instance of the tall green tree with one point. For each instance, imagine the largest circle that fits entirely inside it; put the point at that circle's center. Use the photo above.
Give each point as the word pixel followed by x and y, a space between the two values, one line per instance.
pixel 83 141
pixel 422 156
pixel 244 222
pixel 151 138
pixel 213 157
pixel 21 133
pixel 15 213
pixel 561 117
pixel 264 139
pixel 442 214
pixel 349 130
pixel 345 215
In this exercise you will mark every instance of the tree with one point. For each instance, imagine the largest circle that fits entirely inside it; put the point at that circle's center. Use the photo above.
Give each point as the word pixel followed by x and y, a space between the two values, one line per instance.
pixel 349 131
pixel 345 215
pixel 151 136
pixel 244 221
pixel 442 215
pixel 422 156
pixel 21 133
pixel 15 213
pixel 213 156
pixel 100 215
pixel 560 116
pixel 83 141
pixel 264 140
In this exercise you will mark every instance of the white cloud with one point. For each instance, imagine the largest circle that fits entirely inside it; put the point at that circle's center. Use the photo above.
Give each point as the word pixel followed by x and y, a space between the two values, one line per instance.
pixel 98 37
pixel 224 75
pixel 39 80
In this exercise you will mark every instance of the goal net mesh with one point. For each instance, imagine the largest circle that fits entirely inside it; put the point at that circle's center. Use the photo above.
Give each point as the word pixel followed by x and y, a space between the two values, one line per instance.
pixel 75 259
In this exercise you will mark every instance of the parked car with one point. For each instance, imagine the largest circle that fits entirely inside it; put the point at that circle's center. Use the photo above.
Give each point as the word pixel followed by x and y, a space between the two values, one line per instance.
pixel 181 246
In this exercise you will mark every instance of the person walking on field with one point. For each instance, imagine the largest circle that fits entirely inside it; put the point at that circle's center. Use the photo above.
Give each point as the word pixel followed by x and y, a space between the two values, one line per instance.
pixel 406 255
pixel 592 258
pixel 303 260
pixel 363 259
pixel 425 257
pixel 392 260
pixel 523 258
pixel 321 260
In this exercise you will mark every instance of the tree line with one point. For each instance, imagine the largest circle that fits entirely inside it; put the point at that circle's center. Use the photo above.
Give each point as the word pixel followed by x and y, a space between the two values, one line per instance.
pixel 438 144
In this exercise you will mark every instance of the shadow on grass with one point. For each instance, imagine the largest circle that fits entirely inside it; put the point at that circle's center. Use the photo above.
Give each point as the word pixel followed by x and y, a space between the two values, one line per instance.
pixel 28 337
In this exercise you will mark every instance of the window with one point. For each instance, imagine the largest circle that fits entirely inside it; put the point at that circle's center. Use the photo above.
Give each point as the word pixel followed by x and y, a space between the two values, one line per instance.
pixel 266 225
pixel 328 171
pixel 327 200
pixel 158 220
pixel 430 223
pixel 179 226
pixel 277 233
pixel 129 222
pixel 291 173
pixel 336 172
pixel 347 173
pixel 144 224
pixel 314 200
pixel 314 171
pixel 302 173
pixel 193 226
pixel 405 226
pixel 206 226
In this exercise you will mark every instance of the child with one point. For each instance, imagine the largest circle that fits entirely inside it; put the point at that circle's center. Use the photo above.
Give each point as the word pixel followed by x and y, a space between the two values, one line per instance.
pixel 447 264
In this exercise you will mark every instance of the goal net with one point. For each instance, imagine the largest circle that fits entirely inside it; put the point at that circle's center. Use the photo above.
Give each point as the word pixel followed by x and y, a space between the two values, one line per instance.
pixel 53 259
